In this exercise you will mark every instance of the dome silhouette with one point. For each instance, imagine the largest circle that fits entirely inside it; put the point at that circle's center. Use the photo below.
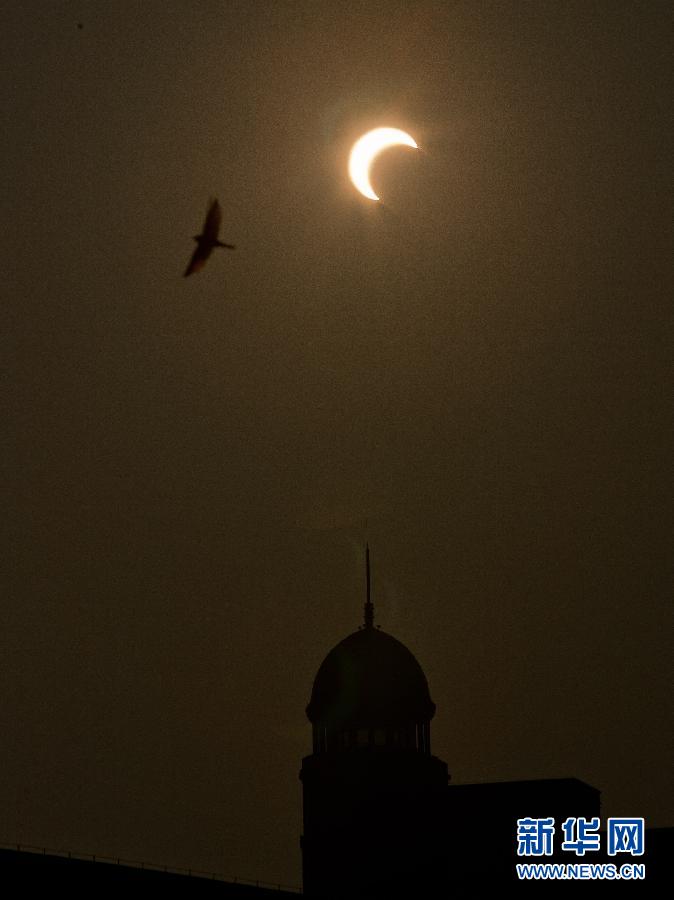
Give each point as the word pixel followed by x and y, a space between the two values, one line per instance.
pixel 369 680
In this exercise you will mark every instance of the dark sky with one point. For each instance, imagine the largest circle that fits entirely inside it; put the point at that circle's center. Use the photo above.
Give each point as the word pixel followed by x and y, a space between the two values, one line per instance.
pixel 480 367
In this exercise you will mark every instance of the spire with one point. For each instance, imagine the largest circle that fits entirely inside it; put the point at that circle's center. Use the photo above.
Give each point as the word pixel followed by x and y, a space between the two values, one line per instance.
pixel 369 608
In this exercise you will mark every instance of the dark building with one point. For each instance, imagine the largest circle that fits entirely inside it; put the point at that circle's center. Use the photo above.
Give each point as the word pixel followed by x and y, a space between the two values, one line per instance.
pixel 381 820
pixel 371 780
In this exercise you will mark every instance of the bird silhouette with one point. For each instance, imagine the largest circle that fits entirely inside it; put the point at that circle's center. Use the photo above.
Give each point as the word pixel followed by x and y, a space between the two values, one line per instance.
pixel 208 239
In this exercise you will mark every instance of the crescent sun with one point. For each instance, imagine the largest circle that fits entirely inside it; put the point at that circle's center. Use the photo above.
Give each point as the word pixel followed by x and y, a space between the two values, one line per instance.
pixel 367 148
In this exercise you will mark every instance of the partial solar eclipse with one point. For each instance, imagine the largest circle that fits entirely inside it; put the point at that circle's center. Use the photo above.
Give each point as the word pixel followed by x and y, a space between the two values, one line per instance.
pixel 367 148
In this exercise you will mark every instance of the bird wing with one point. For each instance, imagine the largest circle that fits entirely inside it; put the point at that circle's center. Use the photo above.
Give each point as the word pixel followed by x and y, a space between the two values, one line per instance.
pixel 198 260
pixel 212 223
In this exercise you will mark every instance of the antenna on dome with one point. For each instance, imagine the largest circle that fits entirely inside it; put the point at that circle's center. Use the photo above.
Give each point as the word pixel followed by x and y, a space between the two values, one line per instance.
pixel 369 608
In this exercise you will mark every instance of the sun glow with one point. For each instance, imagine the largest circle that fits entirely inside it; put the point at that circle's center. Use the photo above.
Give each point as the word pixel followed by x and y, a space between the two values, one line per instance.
pixel 367 148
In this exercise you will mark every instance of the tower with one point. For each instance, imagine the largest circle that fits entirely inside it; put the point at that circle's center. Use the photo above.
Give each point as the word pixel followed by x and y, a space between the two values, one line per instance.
pixel 372 789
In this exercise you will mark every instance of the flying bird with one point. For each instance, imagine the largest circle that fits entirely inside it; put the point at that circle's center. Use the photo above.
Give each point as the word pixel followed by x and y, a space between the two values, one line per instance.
pixel 208 239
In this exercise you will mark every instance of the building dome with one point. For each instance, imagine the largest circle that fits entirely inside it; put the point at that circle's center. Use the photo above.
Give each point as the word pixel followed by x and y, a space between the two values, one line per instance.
pixel 369 680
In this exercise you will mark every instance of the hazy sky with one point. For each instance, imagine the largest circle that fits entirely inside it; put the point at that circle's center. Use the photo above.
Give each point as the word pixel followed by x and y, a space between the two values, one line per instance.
pixel 480 367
